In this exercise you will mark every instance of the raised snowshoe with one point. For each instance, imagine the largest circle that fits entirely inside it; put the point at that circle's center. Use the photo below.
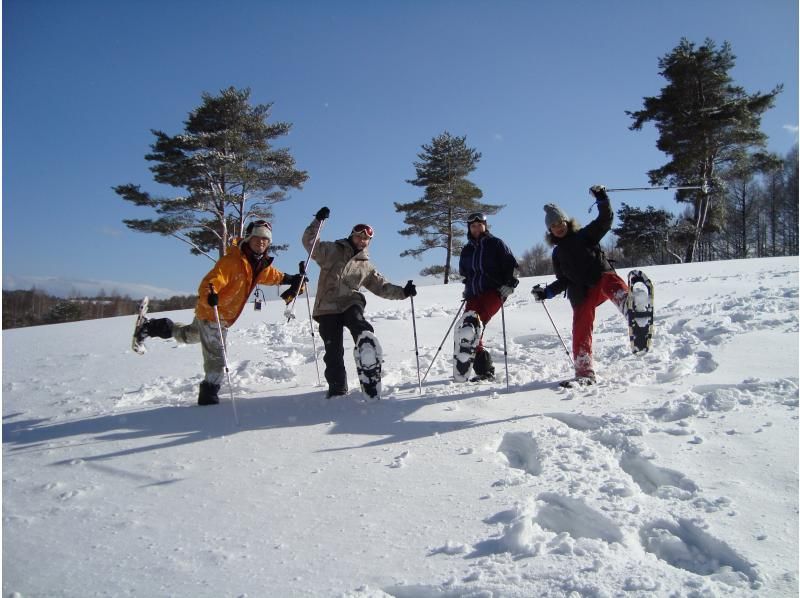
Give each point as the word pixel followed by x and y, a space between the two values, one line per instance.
pixel 465 340
pixel 639 310
pixel 369 356
pixel 139 332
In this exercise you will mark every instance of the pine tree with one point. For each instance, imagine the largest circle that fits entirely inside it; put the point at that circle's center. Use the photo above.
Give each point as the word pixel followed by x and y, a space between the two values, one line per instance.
pixel 225 164
pixel 449 198
pixel 704 121
pixel 643 236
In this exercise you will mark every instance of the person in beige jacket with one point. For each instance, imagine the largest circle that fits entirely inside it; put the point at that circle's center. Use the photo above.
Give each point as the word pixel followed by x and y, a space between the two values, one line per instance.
pixel 345 268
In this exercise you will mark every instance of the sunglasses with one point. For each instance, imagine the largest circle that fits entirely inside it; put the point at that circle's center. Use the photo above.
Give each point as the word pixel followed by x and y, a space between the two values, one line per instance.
pixel 365 230
pixel 476 217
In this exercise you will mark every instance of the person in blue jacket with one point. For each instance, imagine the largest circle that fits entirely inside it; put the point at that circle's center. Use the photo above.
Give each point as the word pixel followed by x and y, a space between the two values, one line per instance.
pixel 488 266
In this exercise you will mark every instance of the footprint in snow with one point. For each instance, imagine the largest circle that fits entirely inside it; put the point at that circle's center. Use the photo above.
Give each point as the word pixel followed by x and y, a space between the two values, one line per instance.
pixel 684 545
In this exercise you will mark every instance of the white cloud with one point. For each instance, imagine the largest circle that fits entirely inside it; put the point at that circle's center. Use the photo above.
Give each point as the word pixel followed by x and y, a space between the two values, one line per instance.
pixel 793 129
pixel 65 287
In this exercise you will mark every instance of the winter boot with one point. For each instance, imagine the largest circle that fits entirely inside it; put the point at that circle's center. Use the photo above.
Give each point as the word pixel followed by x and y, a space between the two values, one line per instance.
pixel 159 327
pixel 482 366
pixel 369 356
pixel 209 393
pixel 465 340
pixel 336 391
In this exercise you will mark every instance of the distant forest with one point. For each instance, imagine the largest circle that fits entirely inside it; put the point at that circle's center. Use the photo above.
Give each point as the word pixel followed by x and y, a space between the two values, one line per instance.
pixel 34 307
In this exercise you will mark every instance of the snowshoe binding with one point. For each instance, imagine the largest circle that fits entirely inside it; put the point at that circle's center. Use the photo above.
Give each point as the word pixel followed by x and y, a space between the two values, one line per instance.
pixel 639 309
pixel 483 367
pixel 139 332
pixel 369 356
pixel 465 340
pixel 578 382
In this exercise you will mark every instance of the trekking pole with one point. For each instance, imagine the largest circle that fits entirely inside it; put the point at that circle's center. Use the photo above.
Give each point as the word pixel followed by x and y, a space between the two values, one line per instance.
pixel 289 311
pixel 559 334
pixel 446 334
pixel 225 357
pixel 703 187
pixel 310 322
pixel 505 351
pixel 416 346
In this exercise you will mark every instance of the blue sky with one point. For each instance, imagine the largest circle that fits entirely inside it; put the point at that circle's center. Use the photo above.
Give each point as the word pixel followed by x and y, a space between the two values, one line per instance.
pixel 539 88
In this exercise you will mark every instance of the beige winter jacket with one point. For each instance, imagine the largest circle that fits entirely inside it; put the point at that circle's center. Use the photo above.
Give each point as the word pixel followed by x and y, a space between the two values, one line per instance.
pixel 342 273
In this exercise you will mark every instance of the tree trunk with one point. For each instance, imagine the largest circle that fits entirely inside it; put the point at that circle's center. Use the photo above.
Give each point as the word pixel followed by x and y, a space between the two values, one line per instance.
pixel 449 245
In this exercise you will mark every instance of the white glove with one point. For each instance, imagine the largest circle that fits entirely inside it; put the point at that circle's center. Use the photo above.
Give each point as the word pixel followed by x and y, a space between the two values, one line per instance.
pixel 505 291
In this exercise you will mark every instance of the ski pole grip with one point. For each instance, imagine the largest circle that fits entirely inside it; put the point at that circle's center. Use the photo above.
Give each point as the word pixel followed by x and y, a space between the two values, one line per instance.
pixel 213 298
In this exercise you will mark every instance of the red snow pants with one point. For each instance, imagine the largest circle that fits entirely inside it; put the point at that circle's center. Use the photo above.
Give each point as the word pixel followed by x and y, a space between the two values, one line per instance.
pixel 611 287
pixel 485 305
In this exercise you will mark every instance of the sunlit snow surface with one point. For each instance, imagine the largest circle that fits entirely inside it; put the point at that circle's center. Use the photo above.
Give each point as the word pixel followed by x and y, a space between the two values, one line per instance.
pixel 675 476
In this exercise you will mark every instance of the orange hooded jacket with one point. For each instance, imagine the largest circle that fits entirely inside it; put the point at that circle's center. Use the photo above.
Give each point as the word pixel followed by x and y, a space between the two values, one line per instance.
pixel 232 277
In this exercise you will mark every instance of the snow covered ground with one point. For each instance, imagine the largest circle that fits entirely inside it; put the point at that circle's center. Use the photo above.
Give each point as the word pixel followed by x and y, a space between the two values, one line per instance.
pixel 676 476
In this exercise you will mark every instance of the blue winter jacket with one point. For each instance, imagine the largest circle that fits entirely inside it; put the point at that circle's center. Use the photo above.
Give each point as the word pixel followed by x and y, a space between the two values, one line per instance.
pixel 486 263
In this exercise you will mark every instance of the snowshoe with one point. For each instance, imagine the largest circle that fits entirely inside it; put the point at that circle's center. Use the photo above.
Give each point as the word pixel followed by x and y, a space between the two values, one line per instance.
pixel 139 332
pixel 578 382
pixel 465 339
pixel 482 378
pixel 369 356
pixel 639 309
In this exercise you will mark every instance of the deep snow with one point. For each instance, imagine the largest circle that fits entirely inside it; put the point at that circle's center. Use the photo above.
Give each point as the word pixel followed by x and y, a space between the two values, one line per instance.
pixel 676 476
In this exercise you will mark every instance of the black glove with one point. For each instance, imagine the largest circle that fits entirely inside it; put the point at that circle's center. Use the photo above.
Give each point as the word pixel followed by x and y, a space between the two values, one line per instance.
pixel 293 280
pixel 296 287
pixel 213 298
pixel 410 290
pixel 599 192
pixel 539 292
pixel 323 214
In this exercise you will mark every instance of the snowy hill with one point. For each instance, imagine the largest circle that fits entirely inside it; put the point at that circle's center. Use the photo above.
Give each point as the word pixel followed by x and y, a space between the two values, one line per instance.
pixel 675 476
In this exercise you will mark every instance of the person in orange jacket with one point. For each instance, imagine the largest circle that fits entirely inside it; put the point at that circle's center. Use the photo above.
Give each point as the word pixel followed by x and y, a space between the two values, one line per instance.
pixel 228 286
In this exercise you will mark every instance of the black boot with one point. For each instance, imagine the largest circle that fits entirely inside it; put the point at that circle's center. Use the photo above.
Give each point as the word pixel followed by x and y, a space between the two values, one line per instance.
pixel 336 391
pixel 482 366
pixel 160 327
pixel 209 393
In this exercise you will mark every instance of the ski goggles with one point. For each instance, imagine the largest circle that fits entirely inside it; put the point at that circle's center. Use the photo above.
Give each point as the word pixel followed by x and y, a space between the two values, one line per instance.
pixel 365 230
pixel 258 224
pixel 476 217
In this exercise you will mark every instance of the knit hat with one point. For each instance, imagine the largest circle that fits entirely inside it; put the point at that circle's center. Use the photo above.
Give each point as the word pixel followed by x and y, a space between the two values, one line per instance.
pixel 258 228
pixel 553 215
